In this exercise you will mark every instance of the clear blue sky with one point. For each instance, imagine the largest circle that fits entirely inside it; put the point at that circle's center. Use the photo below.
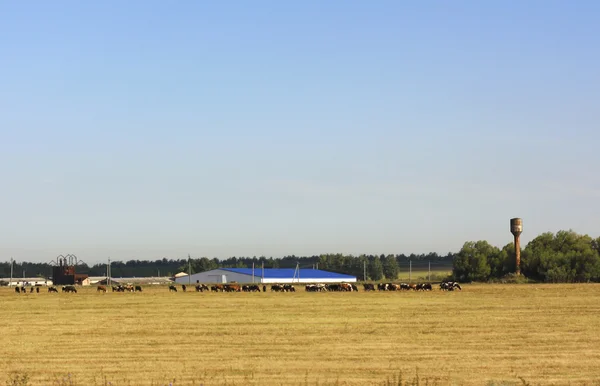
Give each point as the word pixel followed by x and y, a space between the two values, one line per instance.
pixel 143 129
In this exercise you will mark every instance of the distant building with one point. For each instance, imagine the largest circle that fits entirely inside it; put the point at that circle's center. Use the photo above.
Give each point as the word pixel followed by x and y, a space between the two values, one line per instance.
pixel 103 280
pixel 26 281
pixel 271 275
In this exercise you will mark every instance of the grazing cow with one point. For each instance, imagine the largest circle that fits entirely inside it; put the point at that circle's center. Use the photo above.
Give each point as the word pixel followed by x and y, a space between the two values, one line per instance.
pixel 404 287
pixel 52 289
pixel 17 290
pixel 69 288
pixel 264 288
pixel 101 288
pixel 369 287
pixel 315 288
pixel 138 288
pixel 232 288
pixel 383 287
pixel 37 290
pixel 217 288
pixel 31 290
pixel 354 287
pixel 172 288
pixel 449 286
pixel 394 287
pixel 276 288
pixel 202 288
pixel 426 287
pixel 183 287
pixel 345 287
pixel 251 288
pixel 333 287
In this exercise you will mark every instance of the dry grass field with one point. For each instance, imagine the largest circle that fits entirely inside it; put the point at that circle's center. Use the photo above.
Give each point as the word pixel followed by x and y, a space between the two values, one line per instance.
pixel 484 335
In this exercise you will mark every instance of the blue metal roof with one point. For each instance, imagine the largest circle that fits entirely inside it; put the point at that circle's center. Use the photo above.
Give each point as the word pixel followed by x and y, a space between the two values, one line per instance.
pixel 288 273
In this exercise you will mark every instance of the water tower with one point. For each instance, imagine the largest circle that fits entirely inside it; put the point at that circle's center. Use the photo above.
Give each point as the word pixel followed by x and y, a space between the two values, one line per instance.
pixel 516 228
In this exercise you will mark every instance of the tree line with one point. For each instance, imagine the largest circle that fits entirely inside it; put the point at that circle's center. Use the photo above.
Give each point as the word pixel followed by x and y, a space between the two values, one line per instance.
pixel 376 267
pixel 565 257
pixel 562 257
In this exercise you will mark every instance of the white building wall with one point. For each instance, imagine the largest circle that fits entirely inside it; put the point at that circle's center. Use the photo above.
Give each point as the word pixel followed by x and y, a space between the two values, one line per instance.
pixel 310 280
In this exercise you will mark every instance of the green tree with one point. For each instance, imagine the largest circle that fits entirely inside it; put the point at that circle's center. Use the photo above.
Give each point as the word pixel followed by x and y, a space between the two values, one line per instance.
pixel 563 257
pixel 390 267
pixel 471 263
pixel 375 268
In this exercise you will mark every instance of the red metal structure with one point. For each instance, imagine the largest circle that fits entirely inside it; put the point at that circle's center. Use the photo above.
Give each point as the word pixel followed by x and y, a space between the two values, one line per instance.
pixel 63 273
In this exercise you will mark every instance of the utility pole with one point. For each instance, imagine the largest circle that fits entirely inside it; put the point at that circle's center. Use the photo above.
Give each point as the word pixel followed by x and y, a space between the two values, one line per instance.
pixel 189 270
pixel 409 271
pixel 11 270
pixel 429 270
pixel 364 270
pixel 262 274
pixel 252 272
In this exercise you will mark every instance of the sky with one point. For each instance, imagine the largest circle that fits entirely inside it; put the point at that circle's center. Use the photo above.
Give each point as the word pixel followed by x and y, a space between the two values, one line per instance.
pixel 151 129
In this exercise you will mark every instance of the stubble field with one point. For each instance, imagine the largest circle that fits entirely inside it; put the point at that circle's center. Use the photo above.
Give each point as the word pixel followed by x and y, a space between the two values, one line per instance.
pixel 486 334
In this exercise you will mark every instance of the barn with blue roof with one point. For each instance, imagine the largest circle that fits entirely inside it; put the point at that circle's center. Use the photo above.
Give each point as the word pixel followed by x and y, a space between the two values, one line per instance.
pixel 266 275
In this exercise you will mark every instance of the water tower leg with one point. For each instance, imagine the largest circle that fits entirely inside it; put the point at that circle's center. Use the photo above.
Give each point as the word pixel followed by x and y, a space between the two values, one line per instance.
pixel 518 254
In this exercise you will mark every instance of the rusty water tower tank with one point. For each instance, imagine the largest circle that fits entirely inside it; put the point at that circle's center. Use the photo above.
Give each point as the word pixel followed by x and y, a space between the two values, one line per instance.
pixel 516 228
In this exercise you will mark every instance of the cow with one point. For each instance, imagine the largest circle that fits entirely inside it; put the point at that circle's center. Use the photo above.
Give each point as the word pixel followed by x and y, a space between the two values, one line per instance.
pixel 426 287
pixel 17 290
pixel 354 287
pixel 52 289
pixel 449 286
pixel 404 287
pixel 69 288
pixel 138 288
pixel 183 288
pixel 333 287
pixel 172 288
pixel 37 290
pixel 31 290
pixel 369 287
pixel 101 288
pixel 383 287
pixel 345 287
pixel 202 288
pixel 232 288
pixel 264 288
pixel 251 288
pixel 217 288
pixel 276 288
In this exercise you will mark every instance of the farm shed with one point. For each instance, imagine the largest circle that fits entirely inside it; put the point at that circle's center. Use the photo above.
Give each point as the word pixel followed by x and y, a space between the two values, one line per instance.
pixel 31 281
pixel 271 275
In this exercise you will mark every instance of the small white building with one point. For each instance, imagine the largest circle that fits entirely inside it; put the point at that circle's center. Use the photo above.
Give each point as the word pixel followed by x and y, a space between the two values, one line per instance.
pixel 268 275
pixel 26 281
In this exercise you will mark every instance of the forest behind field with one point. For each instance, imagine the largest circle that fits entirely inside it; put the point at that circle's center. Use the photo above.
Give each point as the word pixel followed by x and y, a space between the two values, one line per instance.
pixel 565 256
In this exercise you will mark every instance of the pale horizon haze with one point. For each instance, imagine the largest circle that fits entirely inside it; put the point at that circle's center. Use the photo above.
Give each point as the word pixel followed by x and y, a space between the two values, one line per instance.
pixel 149 129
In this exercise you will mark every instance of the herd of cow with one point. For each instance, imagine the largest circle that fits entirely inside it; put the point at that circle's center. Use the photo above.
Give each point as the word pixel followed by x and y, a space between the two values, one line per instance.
pixel 321 287
pixel 233 287
pixel 65 288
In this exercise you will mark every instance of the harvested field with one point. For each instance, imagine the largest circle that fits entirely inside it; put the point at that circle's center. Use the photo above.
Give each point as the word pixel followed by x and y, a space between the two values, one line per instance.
pixel 485 334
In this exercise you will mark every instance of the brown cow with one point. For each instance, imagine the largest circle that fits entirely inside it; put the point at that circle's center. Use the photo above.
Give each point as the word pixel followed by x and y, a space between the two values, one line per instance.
pixel 101 288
